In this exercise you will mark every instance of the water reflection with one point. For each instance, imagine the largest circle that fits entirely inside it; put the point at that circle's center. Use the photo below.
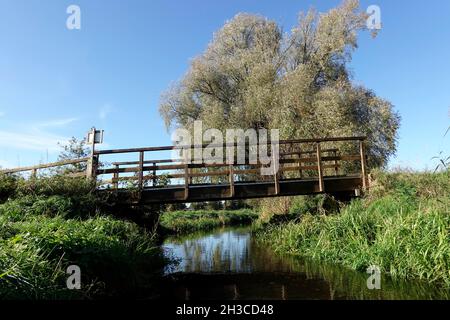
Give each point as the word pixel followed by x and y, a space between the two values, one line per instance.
pixel 229 264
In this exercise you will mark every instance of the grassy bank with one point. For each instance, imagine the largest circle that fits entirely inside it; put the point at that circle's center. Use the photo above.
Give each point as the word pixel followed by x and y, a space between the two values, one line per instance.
pixel 402 226
pixel 189 221
pixel 49 224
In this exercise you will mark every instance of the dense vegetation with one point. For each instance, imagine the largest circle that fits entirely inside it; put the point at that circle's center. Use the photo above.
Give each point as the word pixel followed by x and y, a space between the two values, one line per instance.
pixel 49 224
pixel 189 221
pixel 402 226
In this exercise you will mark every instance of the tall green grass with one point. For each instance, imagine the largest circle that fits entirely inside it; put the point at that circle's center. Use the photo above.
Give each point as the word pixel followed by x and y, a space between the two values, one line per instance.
pixel 190 221
pixel 402 226
pixel 48 224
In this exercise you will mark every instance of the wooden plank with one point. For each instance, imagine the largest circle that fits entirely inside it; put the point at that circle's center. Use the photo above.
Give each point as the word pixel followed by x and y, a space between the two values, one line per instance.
pixel 319 168
pixel 44 166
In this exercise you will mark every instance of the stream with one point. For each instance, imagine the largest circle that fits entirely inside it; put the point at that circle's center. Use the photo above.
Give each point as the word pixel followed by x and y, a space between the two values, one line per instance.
pixel 229 264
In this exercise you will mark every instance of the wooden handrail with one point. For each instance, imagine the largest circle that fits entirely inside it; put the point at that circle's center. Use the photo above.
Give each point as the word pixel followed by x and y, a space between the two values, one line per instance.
pixel 44 166
pixel 203 146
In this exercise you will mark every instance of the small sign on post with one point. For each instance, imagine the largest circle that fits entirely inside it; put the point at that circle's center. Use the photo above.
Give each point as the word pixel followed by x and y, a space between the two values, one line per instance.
pixel 93 137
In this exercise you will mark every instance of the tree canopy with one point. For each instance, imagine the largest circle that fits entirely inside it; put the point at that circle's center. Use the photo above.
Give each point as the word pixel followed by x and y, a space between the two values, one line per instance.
pixel 253 75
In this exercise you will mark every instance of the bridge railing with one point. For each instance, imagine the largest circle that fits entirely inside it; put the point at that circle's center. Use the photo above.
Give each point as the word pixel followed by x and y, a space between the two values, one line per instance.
pixel 298 159
pixel 34 170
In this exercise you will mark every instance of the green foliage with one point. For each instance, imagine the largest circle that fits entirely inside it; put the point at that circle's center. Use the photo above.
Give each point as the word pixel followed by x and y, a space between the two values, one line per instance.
pixel 74 149
pixel 35 251
pixel 402 227
pixel 8 185
pixel 50 223
pixel 253 76
pixel 188 221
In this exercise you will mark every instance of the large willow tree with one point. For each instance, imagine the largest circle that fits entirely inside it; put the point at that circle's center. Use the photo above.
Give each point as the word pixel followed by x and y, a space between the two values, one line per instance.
pixel 254 76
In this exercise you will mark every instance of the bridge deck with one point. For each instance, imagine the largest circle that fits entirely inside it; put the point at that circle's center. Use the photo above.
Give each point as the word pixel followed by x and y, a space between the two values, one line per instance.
pixel 307 166
pixel 242 190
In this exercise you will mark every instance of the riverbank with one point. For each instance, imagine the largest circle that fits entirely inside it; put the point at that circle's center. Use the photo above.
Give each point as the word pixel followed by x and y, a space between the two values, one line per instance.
pixel 49 224
pixel 199 220
pixel 402 226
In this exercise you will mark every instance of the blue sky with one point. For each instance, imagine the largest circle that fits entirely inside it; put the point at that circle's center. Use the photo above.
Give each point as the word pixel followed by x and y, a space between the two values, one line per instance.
pixel 56 83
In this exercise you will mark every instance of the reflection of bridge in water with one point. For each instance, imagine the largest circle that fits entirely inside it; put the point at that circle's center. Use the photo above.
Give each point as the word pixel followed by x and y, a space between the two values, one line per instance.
pixel 307 166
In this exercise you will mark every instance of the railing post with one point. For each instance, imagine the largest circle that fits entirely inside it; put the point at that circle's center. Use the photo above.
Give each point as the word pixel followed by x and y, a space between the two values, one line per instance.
pixel 231 180
pixel 362 150
pixel 186 174
pixel 336 167
pixel 154 174
pixel 275 171
pixel 116 177
pixel 300 164
pixel 319 167
pixel 141 170
pixel 91 162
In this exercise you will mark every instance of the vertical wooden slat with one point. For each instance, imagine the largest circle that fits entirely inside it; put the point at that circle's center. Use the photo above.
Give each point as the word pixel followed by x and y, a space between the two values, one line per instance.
pixel 362 151
pixel 231 180
pixel 186 174
pixel 141 170
pixel 116 177
pixel 275 171
pixel 336 167
pixel 319 167
pixel 300 165
pixel 154 174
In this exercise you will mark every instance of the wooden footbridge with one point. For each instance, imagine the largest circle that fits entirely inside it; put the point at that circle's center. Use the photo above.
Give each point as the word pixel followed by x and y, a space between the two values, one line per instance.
pixel 306 166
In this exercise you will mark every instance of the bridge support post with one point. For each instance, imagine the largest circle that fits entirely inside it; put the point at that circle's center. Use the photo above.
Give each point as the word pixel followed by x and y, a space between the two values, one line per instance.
pixel 362 150
pixel 319 167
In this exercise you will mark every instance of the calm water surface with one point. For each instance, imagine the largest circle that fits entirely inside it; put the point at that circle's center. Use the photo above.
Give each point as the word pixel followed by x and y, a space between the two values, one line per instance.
pixel 230 264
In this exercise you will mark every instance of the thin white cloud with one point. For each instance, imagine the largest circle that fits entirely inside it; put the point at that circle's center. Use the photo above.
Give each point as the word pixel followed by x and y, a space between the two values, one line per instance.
pixel 104 111
pixel 32 140
pixel 56 123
